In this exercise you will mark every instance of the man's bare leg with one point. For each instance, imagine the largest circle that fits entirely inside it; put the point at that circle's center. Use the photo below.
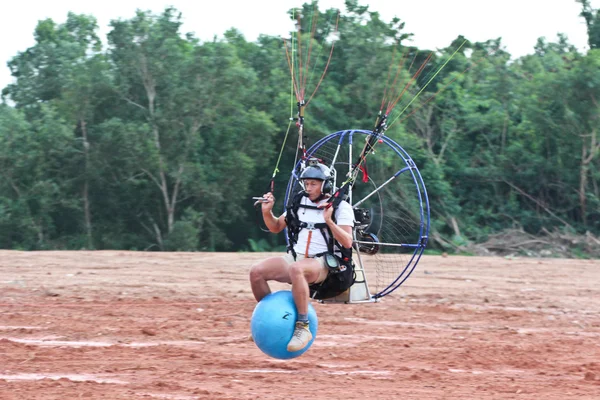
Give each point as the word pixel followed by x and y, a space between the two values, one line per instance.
pixel 271 269
pixel 301 273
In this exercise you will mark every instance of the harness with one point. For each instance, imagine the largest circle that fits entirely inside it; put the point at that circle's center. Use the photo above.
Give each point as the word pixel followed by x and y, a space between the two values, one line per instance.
pixel 341 276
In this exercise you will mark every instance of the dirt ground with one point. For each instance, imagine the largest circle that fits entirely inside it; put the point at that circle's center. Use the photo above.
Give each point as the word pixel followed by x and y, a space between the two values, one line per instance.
pixel 132 325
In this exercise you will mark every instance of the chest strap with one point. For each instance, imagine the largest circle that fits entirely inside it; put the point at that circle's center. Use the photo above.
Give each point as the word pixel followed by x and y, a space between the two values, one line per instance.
pixel 312 226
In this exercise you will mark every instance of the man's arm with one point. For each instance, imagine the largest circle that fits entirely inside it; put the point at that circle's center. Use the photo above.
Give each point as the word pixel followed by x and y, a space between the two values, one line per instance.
pixel 341 233
pixel 273 223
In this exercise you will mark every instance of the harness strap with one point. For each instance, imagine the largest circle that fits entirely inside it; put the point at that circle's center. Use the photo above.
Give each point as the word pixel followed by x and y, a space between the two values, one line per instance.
pixel 294 225
pixel 312 226
pixel 307 244
pixel 309 207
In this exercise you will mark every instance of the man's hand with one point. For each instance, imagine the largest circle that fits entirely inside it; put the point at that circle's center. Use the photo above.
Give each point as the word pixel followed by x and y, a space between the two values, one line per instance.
pixel 268 202
pixel 327 212
pixel 275 224
pixel 343 234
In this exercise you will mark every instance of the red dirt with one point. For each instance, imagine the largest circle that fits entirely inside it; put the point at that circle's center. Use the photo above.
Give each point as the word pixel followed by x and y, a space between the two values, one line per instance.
pixel 128 325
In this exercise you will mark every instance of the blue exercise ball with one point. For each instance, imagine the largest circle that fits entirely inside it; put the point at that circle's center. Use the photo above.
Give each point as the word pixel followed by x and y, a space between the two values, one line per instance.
pixel 273 323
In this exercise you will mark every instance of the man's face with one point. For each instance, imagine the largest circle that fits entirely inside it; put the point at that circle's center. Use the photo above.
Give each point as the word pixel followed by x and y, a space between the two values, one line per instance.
pixel 313 188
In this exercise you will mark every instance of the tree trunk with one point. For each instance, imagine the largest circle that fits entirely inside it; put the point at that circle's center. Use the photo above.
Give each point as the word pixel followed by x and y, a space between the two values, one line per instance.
pixel 587 156
pixel 504 129
pixel 150 87
pixel 454 224
pixel 583 172
pixel 85 192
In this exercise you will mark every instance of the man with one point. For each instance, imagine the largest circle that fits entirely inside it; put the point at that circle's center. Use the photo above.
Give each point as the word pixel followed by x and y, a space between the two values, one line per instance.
pixel 305 263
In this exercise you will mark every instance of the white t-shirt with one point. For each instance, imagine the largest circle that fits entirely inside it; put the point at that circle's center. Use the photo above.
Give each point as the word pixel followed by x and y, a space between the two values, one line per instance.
pixel 344 215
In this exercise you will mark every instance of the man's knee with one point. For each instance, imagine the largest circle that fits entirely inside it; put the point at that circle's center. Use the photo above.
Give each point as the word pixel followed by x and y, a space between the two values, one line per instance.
pixel 297 270
pixel 308 270
pixel 270 269
pixel 256 273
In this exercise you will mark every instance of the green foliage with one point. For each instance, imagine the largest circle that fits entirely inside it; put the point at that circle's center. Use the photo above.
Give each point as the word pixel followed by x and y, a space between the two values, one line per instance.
pixel 259 246
pixel 186 232
pixel 158 141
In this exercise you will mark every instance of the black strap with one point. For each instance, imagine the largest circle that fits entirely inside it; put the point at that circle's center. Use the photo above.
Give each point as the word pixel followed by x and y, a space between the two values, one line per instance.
pixel 294 225
pixel 293 222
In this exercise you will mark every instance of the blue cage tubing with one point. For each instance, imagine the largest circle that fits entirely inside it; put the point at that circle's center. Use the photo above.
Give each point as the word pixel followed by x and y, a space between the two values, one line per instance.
pixel 421 193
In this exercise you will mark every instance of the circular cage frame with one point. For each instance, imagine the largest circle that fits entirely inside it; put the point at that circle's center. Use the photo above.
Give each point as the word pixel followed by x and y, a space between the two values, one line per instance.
pixel 423 200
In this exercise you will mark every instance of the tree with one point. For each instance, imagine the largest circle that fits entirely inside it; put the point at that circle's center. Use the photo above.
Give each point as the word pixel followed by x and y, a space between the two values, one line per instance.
pixel 592 21
pixel 32 178
pixel 64 69
pixel 194 100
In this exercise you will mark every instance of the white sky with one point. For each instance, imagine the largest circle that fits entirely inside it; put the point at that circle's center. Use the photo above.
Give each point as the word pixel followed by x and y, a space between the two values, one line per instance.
pixel 434 23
